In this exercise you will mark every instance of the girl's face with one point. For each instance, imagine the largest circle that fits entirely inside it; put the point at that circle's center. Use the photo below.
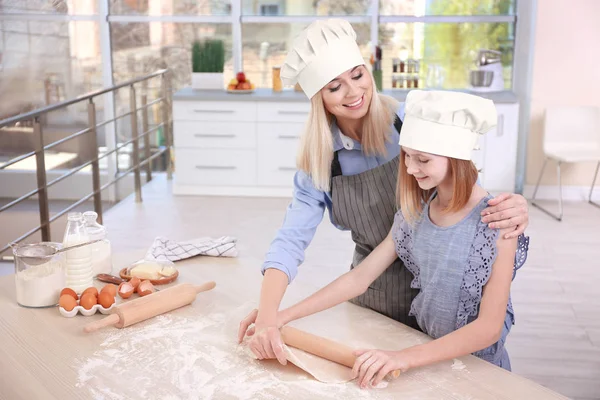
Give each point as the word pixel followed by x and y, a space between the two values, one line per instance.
pixel 429 170
pixel 349 95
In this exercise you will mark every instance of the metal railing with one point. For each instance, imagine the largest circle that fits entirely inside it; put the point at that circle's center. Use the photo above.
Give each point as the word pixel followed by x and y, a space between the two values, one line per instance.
pixel 38 116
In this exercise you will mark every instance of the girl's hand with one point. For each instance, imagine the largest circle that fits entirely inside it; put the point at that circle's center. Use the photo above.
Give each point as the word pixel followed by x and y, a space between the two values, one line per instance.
pixel 266 342
pixel 507 211
pixel 374 365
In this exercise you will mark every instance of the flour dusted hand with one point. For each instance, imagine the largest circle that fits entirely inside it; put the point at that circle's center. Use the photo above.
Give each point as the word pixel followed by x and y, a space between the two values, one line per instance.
pixel 372 366
pixel 266 342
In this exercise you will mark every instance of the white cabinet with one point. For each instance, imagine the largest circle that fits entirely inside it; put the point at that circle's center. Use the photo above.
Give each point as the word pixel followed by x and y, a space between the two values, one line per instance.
pixel 277 149
pixel 216 167
pixel 245 147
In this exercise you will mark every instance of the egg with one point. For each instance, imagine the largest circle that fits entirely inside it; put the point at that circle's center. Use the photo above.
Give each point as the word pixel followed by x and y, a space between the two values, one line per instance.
pixel 88 300
pixel 145 288
pixel 125 290
pixel 105 299
pixel 110 288
pixel 91 290
pixel 70 292
pixel 135 282
pixel 67 302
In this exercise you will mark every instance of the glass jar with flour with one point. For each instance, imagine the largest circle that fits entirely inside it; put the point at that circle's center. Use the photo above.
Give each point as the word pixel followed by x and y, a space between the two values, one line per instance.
pixel 78 262
pixel 39 274
pixel 101 251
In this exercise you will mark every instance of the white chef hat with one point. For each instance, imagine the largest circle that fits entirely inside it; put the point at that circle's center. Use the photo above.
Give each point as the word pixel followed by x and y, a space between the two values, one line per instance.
pixel 446 123
pixel 322 51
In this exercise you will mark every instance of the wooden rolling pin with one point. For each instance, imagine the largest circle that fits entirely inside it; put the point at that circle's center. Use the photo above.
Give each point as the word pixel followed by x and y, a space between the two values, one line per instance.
pixel 322 347
pixel 149 306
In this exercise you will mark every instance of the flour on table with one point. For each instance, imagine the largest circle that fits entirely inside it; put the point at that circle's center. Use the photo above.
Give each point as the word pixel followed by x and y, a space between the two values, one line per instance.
pixel 181 356
pixel 458 365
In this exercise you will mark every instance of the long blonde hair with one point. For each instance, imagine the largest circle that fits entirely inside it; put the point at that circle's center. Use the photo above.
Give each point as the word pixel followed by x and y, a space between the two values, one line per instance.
pixel 411 198
pixel 316 143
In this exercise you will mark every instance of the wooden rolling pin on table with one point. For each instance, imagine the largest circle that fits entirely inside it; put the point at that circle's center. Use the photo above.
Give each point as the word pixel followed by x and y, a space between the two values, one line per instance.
pixel 146 307
pixel 322 347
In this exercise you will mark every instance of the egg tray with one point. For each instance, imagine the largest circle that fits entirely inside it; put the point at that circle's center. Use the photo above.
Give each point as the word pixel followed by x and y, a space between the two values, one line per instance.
pixel 79 309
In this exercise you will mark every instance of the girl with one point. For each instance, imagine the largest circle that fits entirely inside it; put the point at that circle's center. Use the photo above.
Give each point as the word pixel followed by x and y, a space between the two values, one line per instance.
pixel 461 267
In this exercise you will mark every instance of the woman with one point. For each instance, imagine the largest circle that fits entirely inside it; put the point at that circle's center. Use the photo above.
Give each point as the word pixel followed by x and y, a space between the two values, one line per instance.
pixel 348 162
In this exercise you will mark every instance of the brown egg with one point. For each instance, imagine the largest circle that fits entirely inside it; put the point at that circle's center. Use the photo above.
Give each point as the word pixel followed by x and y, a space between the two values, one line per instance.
pixel 70 292
pixel 67 302
pixel 91 290
pixel 145 288
pixel 125 290
pixel 110 288
pixel 135 282
pixel 88 300
pixel 105 299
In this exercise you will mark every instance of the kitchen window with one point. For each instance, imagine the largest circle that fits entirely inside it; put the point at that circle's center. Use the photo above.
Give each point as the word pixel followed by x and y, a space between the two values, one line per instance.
pixel 434 42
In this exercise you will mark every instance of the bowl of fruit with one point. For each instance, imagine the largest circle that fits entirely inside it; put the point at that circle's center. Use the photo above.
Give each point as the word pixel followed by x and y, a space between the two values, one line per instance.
pixel 240 84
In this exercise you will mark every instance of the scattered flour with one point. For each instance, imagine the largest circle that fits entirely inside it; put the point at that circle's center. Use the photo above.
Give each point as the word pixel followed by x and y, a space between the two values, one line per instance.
pixel 458 365
pixel 176 357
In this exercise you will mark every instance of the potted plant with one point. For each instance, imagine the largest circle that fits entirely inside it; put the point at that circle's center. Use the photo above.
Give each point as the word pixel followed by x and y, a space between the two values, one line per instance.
pixel 208 59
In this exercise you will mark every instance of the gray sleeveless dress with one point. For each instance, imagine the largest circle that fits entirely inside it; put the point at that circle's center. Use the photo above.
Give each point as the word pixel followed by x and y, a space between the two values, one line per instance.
pixel 450 266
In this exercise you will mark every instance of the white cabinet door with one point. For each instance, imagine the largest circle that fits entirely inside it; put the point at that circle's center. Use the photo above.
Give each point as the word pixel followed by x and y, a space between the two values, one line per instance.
pixel 500 150
pixel 277 149
pixel 214 135
pixel 215 167
pixel 283 112
pixel 214 111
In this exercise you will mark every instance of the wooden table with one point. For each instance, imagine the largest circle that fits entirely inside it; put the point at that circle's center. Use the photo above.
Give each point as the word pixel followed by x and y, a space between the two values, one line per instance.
pixel 191 352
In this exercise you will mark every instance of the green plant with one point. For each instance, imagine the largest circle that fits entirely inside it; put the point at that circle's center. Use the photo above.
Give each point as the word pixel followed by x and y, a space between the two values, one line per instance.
pixel 208 56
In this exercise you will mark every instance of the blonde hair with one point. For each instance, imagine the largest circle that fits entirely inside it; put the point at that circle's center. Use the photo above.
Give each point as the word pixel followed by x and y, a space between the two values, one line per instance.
pixel 410 197
pixel 316 143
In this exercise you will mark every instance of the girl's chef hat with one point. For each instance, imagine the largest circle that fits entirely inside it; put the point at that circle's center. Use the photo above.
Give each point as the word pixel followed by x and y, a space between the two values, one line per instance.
pixel 446 123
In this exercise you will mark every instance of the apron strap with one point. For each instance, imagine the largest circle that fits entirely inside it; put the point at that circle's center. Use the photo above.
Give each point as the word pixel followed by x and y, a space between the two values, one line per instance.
pixel 336 167
pixel 398 124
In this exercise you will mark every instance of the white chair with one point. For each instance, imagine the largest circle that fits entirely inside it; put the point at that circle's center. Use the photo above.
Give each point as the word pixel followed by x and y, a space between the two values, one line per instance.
pixel 571 135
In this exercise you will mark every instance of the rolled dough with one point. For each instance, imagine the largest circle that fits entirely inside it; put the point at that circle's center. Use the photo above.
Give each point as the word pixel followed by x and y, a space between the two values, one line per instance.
pixel 321 369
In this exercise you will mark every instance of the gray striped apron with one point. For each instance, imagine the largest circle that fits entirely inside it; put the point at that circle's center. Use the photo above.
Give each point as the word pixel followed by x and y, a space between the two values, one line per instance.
pixel 366 204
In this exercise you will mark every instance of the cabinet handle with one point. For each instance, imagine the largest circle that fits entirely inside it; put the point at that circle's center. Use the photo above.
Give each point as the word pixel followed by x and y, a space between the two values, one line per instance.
pixel 480 170
pixel 287 168
pixel 215 111
pixel 213 135
pixel 218 167
pixel 288 137
pixel 291 112
pixel 500 127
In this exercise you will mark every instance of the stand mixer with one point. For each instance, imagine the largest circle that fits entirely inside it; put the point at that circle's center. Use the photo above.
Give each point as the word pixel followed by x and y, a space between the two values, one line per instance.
pixel 488 75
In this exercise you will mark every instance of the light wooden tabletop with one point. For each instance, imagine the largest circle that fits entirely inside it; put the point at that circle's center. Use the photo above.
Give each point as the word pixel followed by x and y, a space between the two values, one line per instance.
pixel 191 352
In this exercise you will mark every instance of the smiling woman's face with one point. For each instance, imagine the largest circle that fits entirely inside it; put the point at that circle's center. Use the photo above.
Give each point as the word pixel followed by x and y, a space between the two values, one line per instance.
pixel 349 95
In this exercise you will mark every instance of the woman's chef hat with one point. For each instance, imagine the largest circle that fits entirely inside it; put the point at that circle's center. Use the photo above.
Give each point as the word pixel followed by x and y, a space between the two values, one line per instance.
pixel 321 52
pixel 446 123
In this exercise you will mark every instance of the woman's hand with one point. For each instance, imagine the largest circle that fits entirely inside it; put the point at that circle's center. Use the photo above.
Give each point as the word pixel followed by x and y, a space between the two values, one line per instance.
pixel 374 365
pixel 507 210
pixel 266 342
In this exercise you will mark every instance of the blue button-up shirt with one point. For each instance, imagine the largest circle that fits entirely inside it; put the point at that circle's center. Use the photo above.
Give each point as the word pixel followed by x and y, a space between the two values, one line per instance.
pixel 306 210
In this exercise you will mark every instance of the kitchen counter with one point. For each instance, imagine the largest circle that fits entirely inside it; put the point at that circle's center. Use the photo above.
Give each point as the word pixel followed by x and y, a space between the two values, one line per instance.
pixel 291 96
pixel 191 353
